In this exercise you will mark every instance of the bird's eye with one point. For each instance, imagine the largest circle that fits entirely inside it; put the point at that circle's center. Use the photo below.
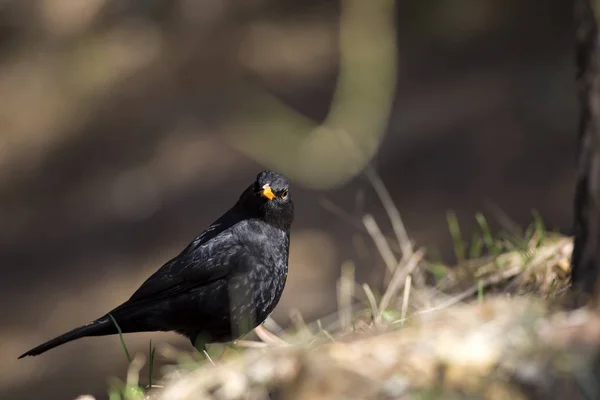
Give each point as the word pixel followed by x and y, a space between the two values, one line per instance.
pixel 284 193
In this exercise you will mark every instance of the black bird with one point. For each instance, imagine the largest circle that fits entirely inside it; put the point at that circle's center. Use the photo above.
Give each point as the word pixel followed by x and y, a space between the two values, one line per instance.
pixel 222 285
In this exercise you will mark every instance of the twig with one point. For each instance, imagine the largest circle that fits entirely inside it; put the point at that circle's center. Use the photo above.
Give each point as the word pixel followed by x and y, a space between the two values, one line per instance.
pixel 407 285
pixel 380 242
pixel 251 344
pixel 268 337
pixel 272 326
pixel 345 291
pixel 372 301
pixel 352 220
pixel 484 283
pixel 327 334
pixel 332 320
pixel 542 254
pixel 384 196
pixel 399 277
pixel 133 372
pixel 299 323
pixel 392 212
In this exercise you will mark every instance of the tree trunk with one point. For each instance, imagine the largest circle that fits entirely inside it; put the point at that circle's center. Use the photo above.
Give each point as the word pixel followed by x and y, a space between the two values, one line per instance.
pixel 586 251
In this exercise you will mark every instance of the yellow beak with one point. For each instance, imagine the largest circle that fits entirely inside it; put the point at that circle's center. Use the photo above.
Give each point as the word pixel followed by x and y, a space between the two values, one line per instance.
pixel 267 192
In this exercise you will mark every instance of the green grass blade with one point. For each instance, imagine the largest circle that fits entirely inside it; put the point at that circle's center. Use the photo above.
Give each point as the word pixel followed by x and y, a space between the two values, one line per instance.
pixel 488 239
pixel 121 337
pixel 480 290
pixel 540 228
pixel 454 228
pixel 151 364
pixel 476 248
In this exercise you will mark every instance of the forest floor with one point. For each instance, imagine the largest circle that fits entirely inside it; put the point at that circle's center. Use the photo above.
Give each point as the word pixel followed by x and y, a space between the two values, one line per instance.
pixel 491 327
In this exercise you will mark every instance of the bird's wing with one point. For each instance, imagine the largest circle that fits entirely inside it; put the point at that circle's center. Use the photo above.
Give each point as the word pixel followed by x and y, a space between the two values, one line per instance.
pixel 202 262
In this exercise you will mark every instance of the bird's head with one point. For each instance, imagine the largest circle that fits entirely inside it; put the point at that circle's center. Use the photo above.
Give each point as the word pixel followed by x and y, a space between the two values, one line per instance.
pixel 269 198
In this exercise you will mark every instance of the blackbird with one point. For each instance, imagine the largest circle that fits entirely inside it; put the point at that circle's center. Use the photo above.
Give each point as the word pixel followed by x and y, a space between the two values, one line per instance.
pixel 222 285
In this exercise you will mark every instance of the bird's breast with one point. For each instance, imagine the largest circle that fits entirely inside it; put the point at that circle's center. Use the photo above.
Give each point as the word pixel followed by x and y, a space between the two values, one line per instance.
pixel 259 287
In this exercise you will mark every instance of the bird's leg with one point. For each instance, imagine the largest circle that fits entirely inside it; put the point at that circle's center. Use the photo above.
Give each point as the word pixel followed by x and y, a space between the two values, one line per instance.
pixel 200 346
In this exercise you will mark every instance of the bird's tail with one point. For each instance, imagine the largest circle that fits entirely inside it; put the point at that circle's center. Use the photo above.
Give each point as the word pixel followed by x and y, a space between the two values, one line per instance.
pixel 100 327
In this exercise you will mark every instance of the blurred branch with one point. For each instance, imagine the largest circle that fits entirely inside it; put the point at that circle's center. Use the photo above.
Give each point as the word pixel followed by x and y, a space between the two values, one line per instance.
pixel 314 155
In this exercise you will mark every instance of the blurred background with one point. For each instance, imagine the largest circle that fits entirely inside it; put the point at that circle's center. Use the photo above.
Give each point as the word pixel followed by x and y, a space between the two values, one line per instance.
pixel 128 126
